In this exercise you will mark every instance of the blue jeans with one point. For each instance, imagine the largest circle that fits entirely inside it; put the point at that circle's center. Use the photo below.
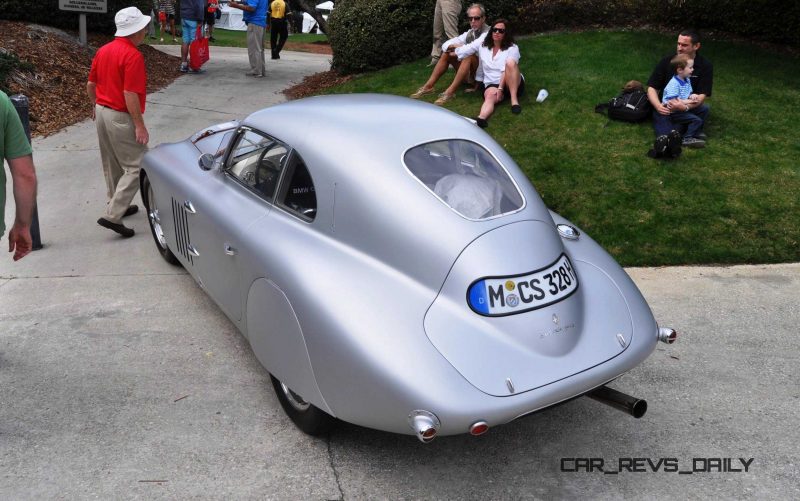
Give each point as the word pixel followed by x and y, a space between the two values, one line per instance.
pixel 688 123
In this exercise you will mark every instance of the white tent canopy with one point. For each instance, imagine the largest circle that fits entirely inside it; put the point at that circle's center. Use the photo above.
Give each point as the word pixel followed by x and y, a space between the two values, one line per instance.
pixel 232 18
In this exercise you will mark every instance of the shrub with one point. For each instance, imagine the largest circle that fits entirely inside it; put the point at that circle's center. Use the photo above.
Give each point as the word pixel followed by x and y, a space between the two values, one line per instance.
pixel 9 62
pixel 372 34
pixel 46 12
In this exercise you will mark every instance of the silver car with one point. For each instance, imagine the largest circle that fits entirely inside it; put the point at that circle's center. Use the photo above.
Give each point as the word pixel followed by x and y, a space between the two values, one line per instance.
pixel 392 267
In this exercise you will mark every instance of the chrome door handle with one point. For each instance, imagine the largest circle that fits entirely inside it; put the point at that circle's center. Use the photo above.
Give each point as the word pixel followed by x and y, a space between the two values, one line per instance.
pixel 229 250
pixel 192 250
pixel 189 207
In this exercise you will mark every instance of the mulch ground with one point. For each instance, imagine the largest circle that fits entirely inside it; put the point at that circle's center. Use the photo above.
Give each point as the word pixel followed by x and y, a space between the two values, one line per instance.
pixel 56 87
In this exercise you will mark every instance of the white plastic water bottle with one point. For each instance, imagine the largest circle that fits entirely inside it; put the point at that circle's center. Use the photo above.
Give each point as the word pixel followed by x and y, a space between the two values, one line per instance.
pixel 542 95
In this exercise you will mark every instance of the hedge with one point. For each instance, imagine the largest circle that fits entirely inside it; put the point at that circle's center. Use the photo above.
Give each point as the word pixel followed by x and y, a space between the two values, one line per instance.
pixel 768 20
pixel 372 34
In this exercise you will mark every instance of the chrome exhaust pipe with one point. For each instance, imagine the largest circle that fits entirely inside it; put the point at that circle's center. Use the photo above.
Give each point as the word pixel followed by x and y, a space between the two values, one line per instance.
pixel 667 335
pixel 425 425
pixel 636 407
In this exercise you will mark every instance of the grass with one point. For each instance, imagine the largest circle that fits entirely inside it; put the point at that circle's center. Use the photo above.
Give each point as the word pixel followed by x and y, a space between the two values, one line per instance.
pixel 231 38
pixel 734 202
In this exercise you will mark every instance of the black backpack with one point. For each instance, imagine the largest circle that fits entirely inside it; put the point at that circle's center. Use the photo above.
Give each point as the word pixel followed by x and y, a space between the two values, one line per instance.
pixel 631 105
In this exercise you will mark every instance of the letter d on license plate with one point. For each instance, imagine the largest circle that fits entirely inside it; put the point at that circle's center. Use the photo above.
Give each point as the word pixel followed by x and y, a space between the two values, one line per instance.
pixel 499 296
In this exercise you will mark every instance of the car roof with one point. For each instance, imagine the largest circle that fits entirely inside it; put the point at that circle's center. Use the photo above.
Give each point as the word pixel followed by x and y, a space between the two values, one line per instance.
pixel 382 126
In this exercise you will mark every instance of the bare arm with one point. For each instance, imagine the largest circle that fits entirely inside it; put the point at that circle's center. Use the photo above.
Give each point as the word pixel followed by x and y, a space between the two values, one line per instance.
pixel 652 96
pixel 135 111
pixel 24 180
pixel 91 91
pixel 241 6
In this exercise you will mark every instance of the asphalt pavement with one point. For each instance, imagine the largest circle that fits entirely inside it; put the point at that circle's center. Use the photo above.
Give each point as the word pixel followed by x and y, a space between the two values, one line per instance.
pixel 121 379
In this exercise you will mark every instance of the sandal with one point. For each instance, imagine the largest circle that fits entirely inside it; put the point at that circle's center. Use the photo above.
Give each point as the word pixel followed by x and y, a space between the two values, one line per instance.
pixel 443 98
pixel 421 92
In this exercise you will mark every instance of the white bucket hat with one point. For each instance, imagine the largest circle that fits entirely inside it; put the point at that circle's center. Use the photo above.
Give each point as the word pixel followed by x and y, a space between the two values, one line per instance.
pixel 130 20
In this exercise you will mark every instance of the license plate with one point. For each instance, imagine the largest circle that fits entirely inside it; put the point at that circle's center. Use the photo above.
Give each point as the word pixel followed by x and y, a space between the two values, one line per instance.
pixel 499 296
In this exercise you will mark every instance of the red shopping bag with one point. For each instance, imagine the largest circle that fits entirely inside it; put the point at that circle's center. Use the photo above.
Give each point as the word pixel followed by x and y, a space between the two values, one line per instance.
pixel 198 51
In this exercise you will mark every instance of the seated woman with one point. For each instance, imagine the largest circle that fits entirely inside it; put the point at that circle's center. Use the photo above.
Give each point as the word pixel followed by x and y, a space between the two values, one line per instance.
pixel 499 63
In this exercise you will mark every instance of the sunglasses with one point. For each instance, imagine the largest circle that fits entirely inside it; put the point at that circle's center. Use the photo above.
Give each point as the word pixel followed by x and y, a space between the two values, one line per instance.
pixel 499 30
pixel 474 18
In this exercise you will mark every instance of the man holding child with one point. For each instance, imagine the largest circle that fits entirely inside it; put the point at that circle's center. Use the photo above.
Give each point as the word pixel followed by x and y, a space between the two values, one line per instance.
pixel 689 73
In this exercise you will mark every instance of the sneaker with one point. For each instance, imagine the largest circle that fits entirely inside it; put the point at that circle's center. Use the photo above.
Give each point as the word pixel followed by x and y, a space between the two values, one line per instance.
pixel 184 68
pixel 422 91
pixel 693 142
pixel 116 227
pixel 482 122
pixel 674 144
pixel 162 39
pixel 701 135
pixel 443 98
pixel 660 147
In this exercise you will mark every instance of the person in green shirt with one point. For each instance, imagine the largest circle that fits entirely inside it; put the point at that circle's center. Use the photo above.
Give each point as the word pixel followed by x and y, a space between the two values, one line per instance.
pixel 16 149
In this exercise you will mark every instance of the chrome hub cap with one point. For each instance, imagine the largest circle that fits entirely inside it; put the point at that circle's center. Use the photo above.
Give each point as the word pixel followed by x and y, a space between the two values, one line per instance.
pixel 155 220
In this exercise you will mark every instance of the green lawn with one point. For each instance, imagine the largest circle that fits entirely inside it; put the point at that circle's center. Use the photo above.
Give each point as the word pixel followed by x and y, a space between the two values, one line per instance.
pixel 230 38
pixel 736 201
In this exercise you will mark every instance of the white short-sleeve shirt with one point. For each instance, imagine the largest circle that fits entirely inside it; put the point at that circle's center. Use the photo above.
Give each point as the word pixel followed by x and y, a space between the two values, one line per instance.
pixel 492 66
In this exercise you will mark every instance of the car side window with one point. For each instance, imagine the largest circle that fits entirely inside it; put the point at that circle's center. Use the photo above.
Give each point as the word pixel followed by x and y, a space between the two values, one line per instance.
pixel 466 177
pixel 297 193
pixel 257 160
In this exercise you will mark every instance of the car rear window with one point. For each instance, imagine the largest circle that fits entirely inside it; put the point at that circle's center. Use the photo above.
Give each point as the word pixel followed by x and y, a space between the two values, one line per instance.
pixel 466 177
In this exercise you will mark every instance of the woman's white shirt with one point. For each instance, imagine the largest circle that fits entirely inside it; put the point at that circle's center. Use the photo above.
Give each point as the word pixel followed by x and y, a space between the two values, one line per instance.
pixel 493 66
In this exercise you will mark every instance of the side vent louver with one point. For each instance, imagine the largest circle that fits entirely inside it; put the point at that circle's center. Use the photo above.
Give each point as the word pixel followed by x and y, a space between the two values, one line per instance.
pixel 182 230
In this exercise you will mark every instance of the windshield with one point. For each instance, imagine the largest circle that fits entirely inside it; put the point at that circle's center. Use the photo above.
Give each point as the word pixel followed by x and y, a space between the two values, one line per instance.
pixel 463 175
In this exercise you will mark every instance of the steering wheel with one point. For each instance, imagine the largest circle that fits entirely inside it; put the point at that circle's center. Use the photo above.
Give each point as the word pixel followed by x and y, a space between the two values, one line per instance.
pixel 266 175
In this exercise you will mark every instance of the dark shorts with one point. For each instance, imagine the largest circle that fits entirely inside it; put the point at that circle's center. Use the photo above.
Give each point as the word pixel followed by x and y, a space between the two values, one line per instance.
pixel 211 18
pixel 520 90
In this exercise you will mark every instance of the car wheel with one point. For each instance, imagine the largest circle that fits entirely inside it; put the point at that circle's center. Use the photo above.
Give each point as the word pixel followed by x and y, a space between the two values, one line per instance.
pixel 154 218
pixel 304 415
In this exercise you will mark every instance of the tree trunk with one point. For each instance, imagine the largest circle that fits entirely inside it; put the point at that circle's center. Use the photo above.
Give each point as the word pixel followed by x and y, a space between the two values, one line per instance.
pixel 309 6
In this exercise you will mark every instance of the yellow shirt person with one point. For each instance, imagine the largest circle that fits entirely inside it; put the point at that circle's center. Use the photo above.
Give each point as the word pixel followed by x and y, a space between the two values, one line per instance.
pixel 278 27
pixel 277 9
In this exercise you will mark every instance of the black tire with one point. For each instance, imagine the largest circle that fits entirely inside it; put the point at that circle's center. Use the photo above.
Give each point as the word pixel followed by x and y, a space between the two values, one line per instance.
pixel 154 221
pixel 303 414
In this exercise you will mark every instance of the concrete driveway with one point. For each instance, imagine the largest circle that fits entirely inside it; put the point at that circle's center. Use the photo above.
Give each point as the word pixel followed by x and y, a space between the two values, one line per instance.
pixel 119 378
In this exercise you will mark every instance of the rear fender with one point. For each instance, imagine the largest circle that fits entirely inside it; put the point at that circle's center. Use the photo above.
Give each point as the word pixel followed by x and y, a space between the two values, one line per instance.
pixel 277 340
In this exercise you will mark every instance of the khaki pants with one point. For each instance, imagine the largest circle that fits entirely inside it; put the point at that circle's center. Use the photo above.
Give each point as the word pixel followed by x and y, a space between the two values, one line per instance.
pixel 445 24
pixel 255 48
pixel 121 156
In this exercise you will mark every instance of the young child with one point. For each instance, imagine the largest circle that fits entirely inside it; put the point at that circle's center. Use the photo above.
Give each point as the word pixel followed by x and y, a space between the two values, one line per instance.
pixel 678 97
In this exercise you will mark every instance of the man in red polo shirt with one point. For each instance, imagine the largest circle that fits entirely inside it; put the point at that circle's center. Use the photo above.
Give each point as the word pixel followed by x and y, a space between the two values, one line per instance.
pixel 117 90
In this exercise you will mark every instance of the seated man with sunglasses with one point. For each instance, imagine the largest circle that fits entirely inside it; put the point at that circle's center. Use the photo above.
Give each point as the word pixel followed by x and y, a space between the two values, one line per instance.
pixel 464 69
